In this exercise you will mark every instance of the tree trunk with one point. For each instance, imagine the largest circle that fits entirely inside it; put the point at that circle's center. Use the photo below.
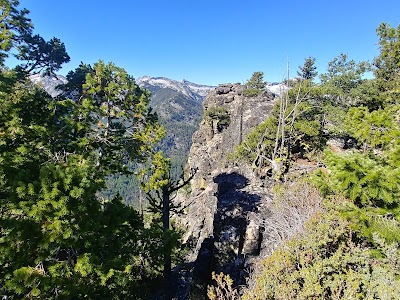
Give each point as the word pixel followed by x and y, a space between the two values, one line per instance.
pixel 166 243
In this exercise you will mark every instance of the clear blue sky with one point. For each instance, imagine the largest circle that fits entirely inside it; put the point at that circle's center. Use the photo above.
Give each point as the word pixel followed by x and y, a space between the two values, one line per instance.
pixel 212 42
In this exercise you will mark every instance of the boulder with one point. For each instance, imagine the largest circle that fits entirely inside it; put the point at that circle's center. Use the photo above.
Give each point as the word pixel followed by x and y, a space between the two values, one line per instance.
pixel 223 89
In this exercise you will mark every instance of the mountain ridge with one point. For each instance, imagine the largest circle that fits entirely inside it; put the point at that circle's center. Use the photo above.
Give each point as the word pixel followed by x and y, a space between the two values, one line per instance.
pixel 190 89
pixel 49 83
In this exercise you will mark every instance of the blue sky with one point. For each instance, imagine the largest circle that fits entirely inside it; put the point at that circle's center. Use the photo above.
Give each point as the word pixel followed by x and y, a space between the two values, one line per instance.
pixel 212 42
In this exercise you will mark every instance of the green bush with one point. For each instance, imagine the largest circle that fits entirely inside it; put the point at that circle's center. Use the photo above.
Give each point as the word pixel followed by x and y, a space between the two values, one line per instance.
pixel 364 178
pixel 252 92
pixel 220 114
pixel 329 262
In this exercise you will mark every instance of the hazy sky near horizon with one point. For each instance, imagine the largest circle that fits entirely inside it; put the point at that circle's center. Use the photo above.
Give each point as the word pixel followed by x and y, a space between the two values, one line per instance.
pixel 212 42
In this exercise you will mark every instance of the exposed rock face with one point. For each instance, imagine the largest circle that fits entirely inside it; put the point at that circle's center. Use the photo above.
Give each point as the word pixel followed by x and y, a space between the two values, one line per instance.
pixel 224 198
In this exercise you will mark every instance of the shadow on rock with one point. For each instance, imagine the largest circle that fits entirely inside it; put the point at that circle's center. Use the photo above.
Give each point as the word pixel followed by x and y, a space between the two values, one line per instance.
pixel 224 251
pixel 230 224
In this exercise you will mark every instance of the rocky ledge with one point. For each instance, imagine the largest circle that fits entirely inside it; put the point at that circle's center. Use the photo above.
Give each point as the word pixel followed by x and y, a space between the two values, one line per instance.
pixel 223 200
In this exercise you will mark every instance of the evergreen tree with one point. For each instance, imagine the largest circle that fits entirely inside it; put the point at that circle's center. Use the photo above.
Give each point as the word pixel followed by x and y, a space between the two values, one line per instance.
pixel 58 237
pixel 387 64
pixel 255 85
pixel 40 56
pixel 15 25
pixel 361 181
pixel 73 89
pixel 308 71
pixel 37 54
pixel 343 75
pixel 160 188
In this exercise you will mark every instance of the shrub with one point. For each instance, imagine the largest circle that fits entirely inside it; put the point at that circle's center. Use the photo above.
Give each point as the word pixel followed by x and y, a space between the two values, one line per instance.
pixel 329 262
pixel 220 114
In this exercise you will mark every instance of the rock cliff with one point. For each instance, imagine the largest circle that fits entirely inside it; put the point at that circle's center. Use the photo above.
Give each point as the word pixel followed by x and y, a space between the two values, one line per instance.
pixel 224 199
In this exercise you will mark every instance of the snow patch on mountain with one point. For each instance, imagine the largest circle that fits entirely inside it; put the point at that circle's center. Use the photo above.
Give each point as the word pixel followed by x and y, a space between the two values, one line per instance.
pixel 189 89
pixel 49 83
pixel 193 90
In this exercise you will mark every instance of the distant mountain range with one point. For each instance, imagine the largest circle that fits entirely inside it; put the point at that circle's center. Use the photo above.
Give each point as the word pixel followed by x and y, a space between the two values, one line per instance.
pixel 189 89
pixel 158 86
pixel 176 101
pixel 179 105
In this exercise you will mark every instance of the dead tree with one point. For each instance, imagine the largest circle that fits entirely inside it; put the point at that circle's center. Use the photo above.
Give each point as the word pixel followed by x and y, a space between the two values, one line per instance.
pixel 284 134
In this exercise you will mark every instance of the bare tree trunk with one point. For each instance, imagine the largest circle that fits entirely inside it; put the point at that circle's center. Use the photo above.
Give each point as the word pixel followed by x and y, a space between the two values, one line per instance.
pixel 279 158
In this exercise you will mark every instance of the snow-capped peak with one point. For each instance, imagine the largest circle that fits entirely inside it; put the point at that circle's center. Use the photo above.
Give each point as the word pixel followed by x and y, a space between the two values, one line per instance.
pixel 190 89
pixel 49 83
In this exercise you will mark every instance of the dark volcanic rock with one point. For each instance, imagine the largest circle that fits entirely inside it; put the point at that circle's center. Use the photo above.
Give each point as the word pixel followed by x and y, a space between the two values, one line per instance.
pixel 223 89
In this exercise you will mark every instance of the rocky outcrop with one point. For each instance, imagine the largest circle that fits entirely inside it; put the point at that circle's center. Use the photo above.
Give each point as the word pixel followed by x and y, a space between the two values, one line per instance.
pixel 222 204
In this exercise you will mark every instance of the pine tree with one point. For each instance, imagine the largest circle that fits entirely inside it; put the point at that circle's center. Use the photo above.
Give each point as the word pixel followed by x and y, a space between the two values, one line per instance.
pixel 255 85
pixel 308 71
pixel 58 237
pixel 15 26
pixel 160 188
pixel 387 64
